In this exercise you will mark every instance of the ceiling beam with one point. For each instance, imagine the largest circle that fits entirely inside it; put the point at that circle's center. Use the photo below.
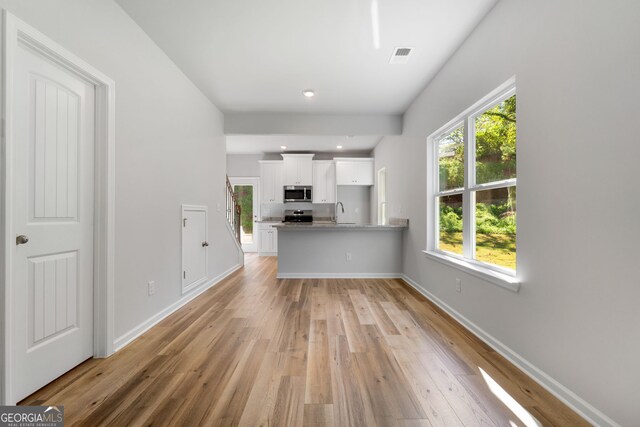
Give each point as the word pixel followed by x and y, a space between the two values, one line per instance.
pixel 311 124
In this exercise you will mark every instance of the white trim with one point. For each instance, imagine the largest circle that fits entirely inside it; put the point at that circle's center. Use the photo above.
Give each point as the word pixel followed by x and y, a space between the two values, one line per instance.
pixel 352 159
pixel 566 396
pixel 381 190
pixel 143 327
pixel 498 275
pixel 495 184
pixel 14 32
pixel 254 181
pixel 480 271
pixel 339 275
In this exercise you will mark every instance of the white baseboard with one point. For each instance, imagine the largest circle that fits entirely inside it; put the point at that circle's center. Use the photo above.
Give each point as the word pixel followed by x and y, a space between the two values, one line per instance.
pixel 569 398
pixel 267 253
pixel 134 333
pixel 339 276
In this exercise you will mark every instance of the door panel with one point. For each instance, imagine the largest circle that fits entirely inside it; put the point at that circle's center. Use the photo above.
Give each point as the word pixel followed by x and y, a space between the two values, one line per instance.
pixel 53 185
pixel 52 278
pixel 55 151
pixel 194 247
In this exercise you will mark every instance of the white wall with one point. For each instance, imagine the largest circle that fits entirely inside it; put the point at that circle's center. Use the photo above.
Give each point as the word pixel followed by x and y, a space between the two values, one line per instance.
pixel 576 317
pixel 169 150
pixel 244 164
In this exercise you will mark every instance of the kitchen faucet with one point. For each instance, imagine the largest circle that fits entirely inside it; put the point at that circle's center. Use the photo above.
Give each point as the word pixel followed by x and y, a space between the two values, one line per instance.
pixel 336 213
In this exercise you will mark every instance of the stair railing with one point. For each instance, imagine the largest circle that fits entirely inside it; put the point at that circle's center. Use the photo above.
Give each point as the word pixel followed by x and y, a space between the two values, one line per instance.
pixel 233 210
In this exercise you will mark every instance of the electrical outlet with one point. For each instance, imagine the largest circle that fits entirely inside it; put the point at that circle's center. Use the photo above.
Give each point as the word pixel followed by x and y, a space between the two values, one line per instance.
pixel 348 255
pixel 151 286
pixel 458 285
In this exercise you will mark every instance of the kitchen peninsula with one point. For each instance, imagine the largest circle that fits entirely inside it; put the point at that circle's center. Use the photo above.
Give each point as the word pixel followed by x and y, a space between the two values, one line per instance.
pixel 326 249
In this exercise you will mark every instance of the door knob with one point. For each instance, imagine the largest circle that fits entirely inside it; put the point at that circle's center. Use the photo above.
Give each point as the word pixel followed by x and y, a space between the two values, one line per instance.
pixel 21 239
pixel 205 244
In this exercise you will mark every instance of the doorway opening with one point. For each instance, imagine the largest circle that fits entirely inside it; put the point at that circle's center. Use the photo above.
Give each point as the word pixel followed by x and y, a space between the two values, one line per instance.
pixel 382 197
pixel 247 192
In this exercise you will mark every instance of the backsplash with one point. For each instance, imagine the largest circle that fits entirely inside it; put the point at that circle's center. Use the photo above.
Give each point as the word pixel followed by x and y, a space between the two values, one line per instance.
pixel 277 209
pixel 357 204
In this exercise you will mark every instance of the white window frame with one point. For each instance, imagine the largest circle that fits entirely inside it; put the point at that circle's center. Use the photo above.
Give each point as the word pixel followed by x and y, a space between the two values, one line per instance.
pixel 498 275
pixel 382 197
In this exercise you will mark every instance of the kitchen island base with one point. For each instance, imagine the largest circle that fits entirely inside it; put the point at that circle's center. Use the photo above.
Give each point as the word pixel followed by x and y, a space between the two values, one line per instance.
pixel 339 252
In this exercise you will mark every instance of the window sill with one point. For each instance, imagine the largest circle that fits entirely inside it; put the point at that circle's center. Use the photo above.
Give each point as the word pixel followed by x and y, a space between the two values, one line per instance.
pixel 503 280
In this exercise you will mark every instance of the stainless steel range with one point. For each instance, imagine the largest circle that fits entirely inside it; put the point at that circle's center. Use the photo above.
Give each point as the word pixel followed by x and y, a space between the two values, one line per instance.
pixel 298 215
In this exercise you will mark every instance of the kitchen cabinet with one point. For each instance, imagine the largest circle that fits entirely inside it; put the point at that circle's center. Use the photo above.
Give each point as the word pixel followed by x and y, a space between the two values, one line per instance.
pixel 324 181
pixel 354 171
pixel 267 240
pixel 297 169
pixel 271 181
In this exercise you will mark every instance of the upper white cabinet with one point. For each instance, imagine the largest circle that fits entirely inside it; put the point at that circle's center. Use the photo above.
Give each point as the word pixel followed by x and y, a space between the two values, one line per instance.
pixel 271 181
pixel 354 171
pixel 298 169
pixel 324 181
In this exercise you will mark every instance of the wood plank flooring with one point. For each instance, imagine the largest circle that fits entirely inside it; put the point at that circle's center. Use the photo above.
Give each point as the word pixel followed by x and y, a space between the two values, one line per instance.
pixel 258 351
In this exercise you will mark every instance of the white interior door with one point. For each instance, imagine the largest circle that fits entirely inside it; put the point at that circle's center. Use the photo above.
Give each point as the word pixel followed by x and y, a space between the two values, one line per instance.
pixel 194 246
pixel 52 206
pixel 247 191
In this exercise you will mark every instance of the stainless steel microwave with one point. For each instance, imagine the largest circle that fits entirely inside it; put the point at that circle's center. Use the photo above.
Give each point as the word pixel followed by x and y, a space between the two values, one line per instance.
pixel 296 193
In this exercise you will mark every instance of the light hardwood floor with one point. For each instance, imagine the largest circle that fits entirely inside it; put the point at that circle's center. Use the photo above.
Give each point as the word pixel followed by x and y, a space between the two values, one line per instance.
pixel 258 351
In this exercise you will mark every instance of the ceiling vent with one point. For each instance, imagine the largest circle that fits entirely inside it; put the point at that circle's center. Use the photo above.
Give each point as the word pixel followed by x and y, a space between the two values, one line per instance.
pixel 400 55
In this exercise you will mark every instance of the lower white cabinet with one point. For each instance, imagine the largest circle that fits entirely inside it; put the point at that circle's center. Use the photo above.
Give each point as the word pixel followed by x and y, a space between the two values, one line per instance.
pixel 267 240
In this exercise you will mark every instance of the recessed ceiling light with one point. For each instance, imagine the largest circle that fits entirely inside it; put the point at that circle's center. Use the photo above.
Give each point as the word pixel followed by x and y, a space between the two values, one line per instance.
pixel 339 147
pixel 308 93
pixel 284 147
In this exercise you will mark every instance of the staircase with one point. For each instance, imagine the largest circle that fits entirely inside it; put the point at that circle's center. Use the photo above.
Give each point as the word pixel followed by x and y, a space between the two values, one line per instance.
pixel 233 211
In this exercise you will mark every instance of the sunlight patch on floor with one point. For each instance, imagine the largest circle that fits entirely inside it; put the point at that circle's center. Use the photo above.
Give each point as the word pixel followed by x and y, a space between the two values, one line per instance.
pixel 509 401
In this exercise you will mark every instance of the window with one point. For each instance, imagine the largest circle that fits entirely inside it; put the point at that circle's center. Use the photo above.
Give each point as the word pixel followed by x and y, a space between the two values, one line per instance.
pixel 473 190
pixel 382 197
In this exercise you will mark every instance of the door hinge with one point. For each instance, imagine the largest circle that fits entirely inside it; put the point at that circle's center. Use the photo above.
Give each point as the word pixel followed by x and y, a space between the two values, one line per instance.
pixel 184 274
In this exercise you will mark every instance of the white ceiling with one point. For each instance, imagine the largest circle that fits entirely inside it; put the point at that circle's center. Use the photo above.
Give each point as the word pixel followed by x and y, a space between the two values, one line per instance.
pixel 258 56
pixel 246 144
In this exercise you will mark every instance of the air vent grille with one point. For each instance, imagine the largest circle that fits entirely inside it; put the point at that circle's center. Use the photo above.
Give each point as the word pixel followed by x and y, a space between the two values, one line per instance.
pixel 400 55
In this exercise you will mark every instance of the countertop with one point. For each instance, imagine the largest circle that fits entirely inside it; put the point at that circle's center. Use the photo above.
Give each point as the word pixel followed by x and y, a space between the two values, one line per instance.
pixel 328 225
pixel 277 219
